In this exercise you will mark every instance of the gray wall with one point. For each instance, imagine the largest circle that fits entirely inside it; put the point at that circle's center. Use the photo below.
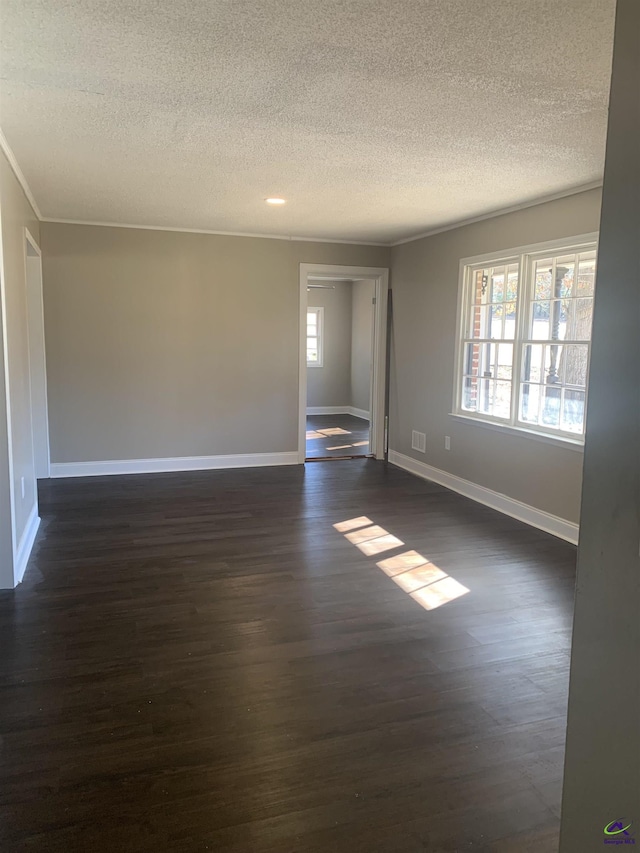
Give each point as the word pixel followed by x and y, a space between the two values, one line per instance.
pixel 602 769
pixel 425 290
pixel 361 344
pixel 330 385
pixel 16 213
pixel 166 344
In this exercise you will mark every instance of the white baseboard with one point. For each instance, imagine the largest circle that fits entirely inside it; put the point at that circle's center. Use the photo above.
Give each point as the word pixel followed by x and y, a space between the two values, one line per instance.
pixel 509 506
pixel 327 410
pixel 25 545
pixel 359 413
pixel 178 463
pixel 338 410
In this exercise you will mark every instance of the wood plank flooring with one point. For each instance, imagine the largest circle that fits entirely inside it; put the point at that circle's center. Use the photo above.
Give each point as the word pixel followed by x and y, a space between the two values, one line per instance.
pixel 336 435
pixel 202 662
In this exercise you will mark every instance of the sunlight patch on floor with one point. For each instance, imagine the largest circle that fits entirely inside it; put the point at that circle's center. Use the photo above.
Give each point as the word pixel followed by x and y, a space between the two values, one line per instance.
pixel 377 546
pixel 417 578
pixel 426 583
pixel 439 593
pixel 352 523
pixel 402 563
pixel 366 533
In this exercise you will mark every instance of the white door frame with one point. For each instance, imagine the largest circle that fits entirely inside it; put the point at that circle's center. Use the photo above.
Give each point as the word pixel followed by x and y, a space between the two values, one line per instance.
pixel 380 276
pixel 37 356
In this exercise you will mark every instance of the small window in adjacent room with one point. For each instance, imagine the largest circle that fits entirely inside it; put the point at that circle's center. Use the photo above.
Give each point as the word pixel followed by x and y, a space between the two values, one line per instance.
pixel 524 342
pixel 314 336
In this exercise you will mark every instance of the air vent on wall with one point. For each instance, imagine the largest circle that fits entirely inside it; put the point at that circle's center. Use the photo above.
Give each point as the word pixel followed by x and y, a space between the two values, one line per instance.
pixel 419 441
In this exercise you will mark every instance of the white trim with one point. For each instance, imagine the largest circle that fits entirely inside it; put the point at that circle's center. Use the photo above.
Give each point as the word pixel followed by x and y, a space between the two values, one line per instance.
pixel 328 410
pixel 165 464
pixel 577 241
pixel 26 544
pixel 552 524
pixel 359 413
pixel 338 410
pixel 32 240
pixel 523 256
pixel 390 244
pixel 380 276
pixel 8 581
pixel 318 310
pixel 583 188
pixel 17 171
pixel 173 228
pixel 523 432
pixel 40 447
pixel 4 145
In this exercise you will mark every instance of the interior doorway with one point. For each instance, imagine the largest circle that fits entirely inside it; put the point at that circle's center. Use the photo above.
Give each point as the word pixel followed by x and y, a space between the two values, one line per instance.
pixel 37 358
pixel 342 362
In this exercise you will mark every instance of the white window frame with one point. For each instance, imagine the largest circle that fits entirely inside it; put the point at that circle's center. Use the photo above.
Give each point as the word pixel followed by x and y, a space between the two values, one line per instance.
pixel 319 312
pixel 525 256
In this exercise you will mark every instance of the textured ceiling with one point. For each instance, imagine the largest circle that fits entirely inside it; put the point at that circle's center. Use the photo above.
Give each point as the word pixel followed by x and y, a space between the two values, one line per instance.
pixel 375 119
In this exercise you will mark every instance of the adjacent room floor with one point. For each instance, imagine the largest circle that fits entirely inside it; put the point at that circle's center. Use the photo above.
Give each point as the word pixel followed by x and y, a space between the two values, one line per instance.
pixel 221 660
pixel 336 435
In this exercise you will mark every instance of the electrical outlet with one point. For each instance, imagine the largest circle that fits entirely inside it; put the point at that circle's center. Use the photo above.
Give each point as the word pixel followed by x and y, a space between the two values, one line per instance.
pixel 447 442
pixel 22 486
pixel 418 441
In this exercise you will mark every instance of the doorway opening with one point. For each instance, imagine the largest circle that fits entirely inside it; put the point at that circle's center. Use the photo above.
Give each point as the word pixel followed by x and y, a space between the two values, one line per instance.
pixel 342 362
pixel 37 358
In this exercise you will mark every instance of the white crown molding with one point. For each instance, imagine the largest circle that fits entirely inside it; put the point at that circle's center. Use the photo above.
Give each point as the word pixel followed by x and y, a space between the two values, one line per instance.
pixel 559 527
pixel 167 464
pixel 4 145
pixel 583 188
pixel 17 171
pixel 25 547
pixel 170 228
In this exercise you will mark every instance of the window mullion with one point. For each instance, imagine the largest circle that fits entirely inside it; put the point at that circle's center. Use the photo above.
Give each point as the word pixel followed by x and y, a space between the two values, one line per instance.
pixel 521 324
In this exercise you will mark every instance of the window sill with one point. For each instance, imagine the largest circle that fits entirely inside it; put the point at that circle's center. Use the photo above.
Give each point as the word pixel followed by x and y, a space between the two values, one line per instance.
pixel 522 432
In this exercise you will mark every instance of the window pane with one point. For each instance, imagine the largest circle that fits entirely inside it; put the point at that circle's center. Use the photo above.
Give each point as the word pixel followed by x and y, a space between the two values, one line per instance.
pixel 502 367
pixel 558 302
pixel 484 388
pixel 540 321
pixel 533 363
pixel 573 410
pixel 586 274
pixel 542 275
pixel 509 309
pixel 583 318
pixel 565 268
pixel 550 405
pixel 500 399
pixel 496 292
pixel 488 316
pixel 573 365
pixel 470 394
pixel 530 403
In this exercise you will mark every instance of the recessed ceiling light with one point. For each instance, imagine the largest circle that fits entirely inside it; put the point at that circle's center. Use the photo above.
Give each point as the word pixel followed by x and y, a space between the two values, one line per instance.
pixel 275 201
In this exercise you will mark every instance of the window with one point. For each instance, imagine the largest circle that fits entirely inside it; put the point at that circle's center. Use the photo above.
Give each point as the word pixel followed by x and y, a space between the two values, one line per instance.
pixel 314 336
pixel 524 341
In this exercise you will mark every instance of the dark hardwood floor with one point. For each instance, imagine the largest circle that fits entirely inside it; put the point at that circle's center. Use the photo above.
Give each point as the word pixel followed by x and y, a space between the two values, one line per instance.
pixel 336 435
pixel 202 662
